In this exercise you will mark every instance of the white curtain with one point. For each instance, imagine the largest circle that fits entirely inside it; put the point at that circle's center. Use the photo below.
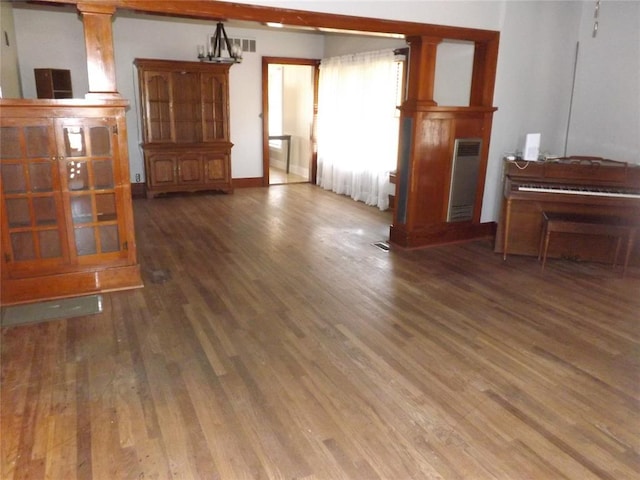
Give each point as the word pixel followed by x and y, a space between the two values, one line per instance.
pixel 358 125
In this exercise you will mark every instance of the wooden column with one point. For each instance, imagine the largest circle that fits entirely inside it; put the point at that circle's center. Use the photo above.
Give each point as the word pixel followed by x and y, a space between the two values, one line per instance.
pixel 427 141
pixel 98 36
pixel 422 69
pixel 485 59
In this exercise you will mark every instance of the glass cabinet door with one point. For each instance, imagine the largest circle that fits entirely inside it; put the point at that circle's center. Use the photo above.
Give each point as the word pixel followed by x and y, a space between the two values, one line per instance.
pixel 157 88
pixel 32 214
pixel 214 107
pixel 88 168
pixel 187 107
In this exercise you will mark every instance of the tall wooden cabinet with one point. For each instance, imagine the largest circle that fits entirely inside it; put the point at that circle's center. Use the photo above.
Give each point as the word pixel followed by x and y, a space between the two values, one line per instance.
pixel 185 125
pixel 67 221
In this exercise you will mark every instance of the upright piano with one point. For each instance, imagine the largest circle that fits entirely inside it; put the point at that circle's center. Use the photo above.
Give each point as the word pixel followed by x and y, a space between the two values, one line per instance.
pixel 568 185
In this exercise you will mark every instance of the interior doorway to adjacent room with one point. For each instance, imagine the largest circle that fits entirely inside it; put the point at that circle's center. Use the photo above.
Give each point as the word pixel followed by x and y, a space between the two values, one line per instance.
pixel 290 98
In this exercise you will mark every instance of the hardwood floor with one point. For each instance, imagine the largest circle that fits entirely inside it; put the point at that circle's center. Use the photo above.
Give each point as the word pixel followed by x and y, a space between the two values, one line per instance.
pixel 278 176
pixel 272 340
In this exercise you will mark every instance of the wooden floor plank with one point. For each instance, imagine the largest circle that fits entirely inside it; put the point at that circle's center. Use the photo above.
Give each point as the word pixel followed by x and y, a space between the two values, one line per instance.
pixel 273 340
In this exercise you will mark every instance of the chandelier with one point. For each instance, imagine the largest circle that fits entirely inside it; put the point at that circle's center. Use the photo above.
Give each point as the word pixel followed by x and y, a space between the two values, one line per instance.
pixel 215 47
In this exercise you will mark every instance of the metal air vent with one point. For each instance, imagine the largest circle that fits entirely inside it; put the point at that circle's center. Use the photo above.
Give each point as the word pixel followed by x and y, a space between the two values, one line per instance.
pixel 464 179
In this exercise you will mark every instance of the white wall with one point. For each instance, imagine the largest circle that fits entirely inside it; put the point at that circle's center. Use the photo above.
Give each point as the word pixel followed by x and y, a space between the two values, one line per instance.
pixel 462 13
pixel 52 38
pixel 605 119
pixel 9 74
pixel 533 84
pixel 454 67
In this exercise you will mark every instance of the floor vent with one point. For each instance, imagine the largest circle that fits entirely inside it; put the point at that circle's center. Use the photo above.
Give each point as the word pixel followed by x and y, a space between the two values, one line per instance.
pixel 384 246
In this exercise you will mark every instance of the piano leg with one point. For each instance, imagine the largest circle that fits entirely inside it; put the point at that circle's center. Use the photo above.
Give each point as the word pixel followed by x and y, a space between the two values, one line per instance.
pixel 631 238
pixel 543 234
pixel 507 225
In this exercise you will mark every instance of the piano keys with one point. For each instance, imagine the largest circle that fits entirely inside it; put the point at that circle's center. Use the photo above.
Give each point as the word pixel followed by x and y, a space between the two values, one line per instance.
pixel 579 190
pixel 586 185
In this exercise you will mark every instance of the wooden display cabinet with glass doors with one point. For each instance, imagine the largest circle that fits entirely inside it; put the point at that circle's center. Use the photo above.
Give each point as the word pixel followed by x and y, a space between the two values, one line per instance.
pixel 185 125
pixel 67 222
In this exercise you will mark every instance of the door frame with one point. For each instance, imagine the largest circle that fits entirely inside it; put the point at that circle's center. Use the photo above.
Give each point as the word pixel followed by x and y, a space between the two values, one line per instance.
pixel 266 61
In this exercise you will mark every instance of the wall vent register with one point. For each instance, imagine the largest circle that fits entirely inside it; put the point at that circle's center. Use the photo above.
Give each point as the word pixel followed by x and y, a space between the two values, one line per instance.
pixel 464 179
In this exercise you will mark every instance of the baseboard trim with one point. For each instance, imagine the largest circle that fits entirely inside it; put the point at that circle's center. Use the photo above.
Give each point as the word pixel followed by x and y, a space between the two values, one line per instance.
pixel 440 234
pixel 138 190
pixel 248 182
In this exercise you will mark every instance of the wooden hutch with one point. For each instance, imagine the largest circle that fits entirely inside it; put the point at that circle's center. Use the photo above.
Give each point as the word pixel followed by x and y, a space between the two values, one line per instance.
pixel 185 125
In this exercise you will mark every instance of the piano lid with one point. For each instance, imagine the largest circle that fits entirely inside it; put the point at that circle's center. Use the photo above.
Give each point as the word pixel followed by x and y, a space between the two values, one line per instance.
pixel 576 171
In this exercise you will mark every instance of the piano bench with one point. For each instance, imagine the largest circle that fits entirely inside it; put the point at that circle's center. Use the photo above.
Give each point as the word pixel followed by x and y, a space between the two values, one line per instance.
pixel 607 225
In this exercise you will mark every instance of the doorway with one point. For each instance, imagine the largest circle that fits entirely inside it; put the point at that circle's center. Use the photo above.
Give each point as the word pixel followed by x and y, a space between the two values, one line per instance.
pixel 289 105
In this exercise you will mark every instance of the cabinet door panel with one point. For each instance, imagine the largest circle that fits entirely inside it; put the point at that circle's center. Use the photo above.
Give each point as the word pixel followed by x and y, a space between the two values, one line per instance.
pixel 190 169
pixel 33 227
pixel 106 207
pixel 23 246
pixel 18 214
pixel 50 246
pixel 14 178
pixel 214 107
pixel 85 241
pixel 100 137
pixel 109 238
pixel 44 211
pixel 162 169
pixel 187 107
pixel 89 174
pixel 74 141
pixel 11 141
pixel 37 139
pixel 41 176
pixel 78 175
pixel 156 90
pixel 103 174
pixel 216 169
pixel 81 210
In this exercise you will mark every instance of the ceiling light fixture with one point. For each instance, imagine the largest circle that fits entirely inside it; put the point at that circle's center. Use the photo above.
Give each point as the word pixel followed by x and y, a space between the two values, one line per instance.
pixel 214 49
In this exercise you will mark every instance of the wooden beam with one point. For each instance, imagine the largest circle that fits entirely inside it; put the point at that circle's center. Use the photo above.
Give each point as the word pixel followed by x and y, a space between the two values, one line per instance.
pixel 217 10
